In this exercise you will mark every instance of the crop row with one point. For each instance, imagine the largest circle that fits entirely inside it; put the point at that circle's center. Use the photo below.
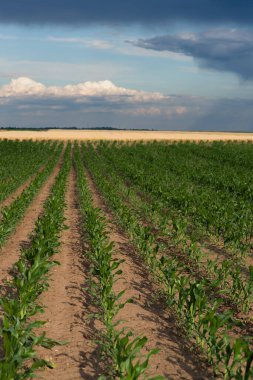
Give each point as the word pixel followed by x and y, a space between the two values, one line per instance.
pixel 118 344
pixel 19 160
pixel 20 304
pixel 202 320
pixel 12 214
pixel 215 199
pixel 224 277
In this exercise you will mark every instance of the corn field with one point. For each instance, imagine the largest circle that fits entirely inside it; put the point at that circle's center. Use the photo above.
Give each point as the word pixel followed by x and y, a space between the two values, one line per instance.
pixel 126 260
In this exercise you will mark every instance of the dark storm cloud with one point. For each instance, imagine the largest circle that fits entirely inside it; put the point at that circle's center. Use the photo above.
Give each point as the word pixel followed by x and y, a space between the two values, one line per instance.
pixel 225 50
pixel 226 115
pixel 122 11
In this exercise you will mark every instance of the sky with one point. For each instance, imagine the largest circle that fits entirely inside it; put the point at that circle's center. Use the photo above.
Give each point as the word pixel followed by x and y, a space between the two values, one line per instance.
pixel 153 64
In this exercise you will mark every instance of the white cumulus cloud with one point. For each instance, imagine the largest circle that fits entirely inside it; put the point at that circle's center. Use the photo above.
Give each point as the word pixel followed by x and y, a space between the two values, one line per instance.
pixel 21 87
pixel 26 87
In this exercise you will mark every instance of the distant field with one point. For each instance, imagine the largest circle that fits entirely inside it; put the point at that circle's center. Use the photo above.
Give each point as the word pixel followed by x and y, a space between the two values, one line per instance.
pixel 124 135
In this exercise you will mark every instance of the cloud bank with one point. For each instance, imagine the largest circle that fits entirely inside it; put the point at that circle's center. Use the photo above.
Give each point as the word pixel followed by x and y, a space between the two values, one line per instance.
pixel 25 87
pixel 24 101
pixel 27 103
pixel 75 12
pixel 225 50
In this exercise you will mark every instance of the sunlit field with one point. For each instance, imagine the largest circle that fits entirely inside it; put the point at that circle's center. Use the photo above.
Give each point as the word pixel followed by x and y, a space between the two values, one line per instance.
pixel 132 257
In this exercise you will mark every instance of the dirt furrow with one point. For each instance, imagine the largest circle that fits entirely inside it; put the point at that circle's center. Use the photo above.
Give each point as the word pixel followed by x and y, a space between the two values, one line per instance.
pixel 68 306
pixel 10 252
pixel 147 315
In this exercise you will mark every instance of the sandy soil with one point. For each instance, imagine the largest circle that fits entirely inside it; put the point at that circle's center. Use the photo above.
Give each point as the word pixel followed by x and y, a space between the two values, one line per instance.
pixel 68 305
pixel 9 253
pixel 147 315
pixel 124 135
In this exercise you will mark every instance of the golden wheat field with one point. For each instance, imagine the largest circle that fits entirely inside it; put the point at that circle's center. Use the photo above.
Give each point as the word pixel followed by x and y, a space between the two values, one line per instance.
pixel 62 134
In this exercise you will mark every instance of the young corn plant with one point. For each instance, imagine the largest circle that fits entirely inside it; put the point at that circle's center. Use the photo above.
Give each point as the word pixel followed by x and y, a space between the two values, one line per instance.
pixel 20 360
pixel 123 349
pixel 13 213
pixel 181 232
pixel 202 320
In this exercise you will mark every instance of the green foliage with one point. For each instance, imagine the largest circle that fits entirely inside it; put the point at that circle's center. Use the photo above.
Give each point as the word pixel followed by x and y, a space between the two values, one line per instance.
pixel 19 160
pixel 119 345
pixel 17 331
pixel 13 213
pixel 193 214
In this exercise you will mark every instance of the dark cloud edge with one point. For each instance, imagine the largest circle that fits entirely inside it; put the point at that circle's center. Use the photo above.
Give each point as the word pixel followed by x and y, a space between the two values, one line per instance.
pixel 78 12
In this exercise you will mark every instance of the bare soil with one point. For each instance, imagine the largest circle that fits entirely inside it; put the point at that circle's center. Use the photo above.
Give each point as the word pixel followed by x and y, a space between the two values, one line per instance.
pixel 68 305
pixel 147 315
pixel 61 134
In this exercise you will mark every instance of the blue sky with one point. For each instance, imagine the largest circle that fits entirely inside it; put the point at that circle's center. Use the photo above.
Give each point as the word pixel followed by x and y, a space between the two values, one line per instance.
pixel 154 64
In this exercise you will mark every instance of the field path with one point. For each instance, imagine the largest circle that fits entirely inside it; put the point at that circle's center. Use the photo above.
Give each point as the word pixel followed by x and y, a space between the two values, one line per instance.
pixel 147 314
pixel 10 252
pixel 68 306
